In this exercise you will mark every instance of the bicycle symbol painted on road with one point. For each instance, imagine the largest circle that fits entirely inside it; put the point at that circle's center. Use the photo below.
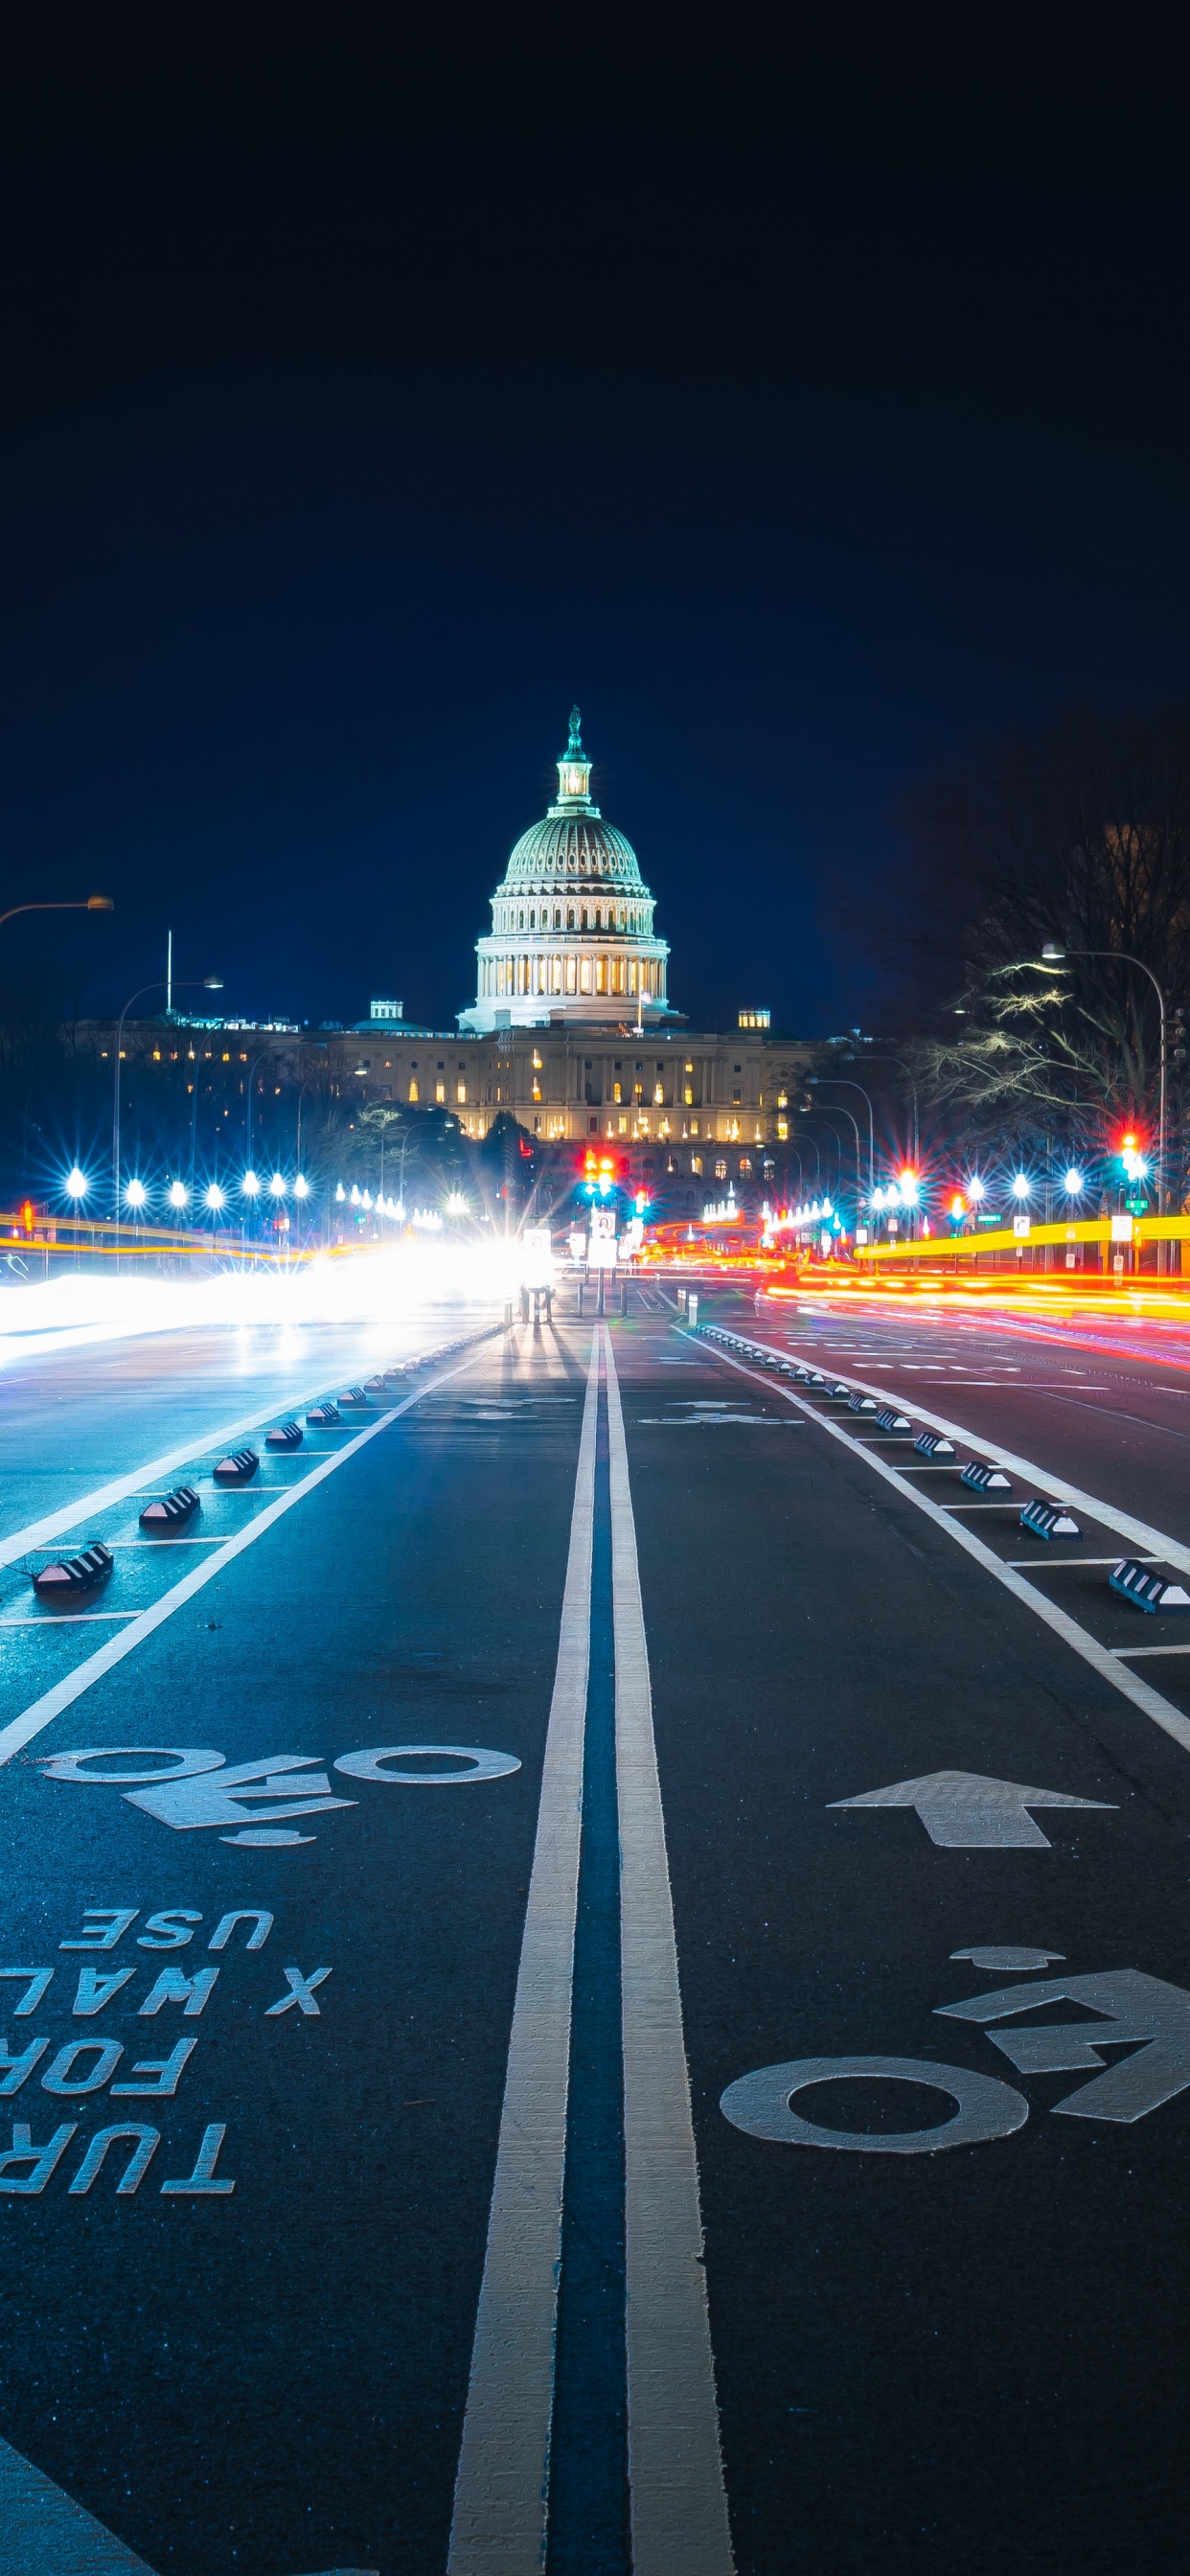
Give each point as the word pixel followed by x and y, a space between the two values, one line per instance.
pixel 1141 2011
pixel 202 1790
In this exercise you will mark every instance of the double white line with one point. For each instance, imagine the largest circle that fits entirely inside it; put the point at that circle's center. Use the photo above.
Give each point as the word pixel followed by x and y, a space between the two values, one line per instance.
pixel 678 2503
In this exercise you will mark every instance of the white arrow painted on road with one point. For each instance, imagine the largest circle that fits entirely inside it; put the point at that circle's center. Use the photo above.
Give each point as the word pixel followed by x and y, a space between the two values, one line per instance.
pixel 967 1812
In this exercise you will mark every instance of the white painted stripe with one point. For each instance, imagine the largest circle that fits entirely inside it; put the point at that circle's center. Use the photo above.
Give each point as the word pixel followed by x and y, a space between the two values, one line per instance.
pixel 501 2491
pixel 68 1516
pixel 42 1712
pixel 43 2532
pixel 1162 1711
pixel 679 2506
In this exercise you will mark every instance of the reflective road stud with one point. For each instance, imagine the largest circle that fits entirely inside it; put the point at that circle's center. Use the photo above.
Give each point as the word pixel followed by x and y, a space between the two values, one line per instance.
pixel 1049 1520
pixel 1146 1590
pixel 285 1435
pixel 63 1581
pixel 239 1469
pixel 170 1511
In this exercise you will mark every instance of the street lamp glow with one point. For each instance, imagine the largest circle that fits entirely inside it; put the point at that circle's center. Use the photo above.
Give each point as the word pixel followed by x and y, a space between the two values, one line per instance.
pixel 456 1204
pixel 301 1187
pixel 976 1189
pixel 277 1185
pixel 250 1185
pixel 910 1188
pixel 1020 1186
pixel 340 1193
pixel 215 1198
pixel 1074 1183
pixel 178 1194
pixel 367 1199
pixel 77 1183
pixel 136 1194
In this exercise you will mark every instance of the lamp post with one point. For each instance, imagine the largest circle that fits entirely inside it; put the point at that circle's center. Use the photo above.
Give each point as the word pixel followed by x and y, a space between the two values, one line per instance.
pixel 814 1082
pixel 210 984
pixel 1054 955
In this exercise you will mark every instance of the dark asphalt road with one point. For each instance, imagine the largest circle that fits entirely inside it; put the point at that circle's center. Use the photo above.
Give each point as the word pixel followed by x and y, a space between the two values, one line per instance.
pixel 927 2354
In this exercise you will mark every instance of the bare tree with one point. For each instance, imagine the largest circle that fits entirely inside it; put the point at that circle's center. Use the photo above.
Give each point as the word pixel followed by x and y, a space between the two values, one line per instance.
pixel 1078 835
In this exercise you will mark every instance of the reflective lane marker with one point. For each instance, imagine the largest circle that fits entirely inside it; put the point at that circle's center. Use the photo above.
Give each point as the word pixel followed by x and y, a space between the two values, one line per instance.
pixel 1101 1658
pixel 52 1524
pixel 675 2467
pixel 42 1712
pixel 501 2490
pixel 43 2532
pixel 1141 1533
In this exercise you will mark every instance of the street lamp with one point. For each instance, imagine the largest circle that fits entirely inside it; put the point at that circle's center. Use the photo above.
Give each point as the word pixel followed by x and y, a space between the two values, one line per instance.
pixel 136 1194
pixel 1054 955
pixel 250 1185
pixel 77 1184
pixel 301 1187
pixel 210 984
pixel 277 1186
pixel 1021 1188
pixel 1074 1183
pixel 178 1194
pixel 815 1080
pixel 215 1198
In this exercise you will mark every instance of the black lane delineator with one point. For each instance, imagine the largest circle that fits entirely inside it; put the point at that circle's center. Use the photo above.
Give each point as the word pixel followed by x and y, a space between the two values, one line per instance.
pixel 933 1444
pixel 984 1479
pixel 355 1401
pixel 170 1511
pixel 861 1404
pixel 238 1469
pixel 889 1420
pixel 374 1386
pixel 840 1392
pixel 1049 1520
pixel 1146 1590
pixel 69 1576
pixel 284 1435
pixel 393 1377
pixel 324 1413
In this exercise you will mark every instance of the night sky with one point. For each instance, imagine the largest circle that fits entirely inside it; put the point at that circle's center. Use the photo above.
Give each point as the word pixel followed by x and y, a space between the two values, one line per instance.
pixel 803 396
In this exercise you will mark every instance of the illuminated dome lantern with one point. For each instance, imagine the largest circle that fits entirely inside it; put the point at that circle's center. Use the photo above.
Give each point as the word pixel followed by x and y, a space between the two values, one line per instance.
pixel 572 922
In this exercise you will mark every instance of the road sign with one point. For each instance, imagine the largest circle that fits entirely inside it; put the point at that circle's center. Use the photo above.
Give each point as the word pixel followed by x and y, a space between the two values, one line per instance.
pixel 967 1812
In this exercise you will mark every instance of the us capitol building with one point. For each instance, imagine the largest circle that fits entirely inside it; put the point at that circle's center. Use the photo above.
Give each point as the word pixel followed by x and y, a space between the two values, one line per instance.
pixel 571 1031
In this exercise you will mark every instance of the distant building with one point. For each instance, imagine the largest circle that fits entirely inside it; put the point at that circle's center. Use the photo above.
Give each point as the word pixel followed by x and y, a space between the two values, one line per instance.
pixel 571 1033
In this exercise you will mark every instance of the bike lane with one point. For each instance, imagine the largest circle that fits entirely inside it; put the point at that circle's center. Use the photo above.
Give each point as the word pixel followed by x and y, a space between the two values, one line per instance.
pixel 937 2353
pixel 271 2377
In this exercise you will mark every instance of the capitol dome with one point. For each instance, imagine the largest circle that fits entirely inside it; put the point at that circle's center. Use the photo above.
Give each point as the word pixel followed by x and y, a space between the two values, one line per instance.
pixel 572 921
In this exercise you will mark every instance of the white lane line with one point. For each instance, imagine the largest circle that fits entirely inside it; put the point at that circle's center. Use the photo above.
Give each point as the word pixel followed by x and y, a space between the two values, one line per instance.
pixel 678 2502
pixel 1151 1650
pixel 42 1712
pixel 1162 1711
pixel 502 2486
pixel 43 2532
pixel 49 1619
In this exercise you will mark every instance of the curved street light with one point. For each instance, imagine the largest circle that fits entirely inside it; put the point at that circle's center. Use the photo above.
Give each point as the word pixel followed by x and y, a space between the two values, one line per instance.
pixel 1053 954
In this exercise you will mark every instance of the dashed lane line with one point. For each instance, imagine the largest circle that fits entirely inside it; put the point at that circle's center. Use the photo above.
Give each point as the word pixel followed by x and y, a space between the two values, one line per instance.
pixel 42 1712
pixel 1102 1659
pixel 502 2485
pixel 1141 1534
pixel 675 2467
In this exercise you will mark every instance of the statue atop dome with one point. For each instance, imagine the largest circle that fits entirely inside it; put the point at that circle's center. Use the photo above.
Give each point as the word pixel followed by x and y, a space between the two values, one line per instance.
pixel 575 744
